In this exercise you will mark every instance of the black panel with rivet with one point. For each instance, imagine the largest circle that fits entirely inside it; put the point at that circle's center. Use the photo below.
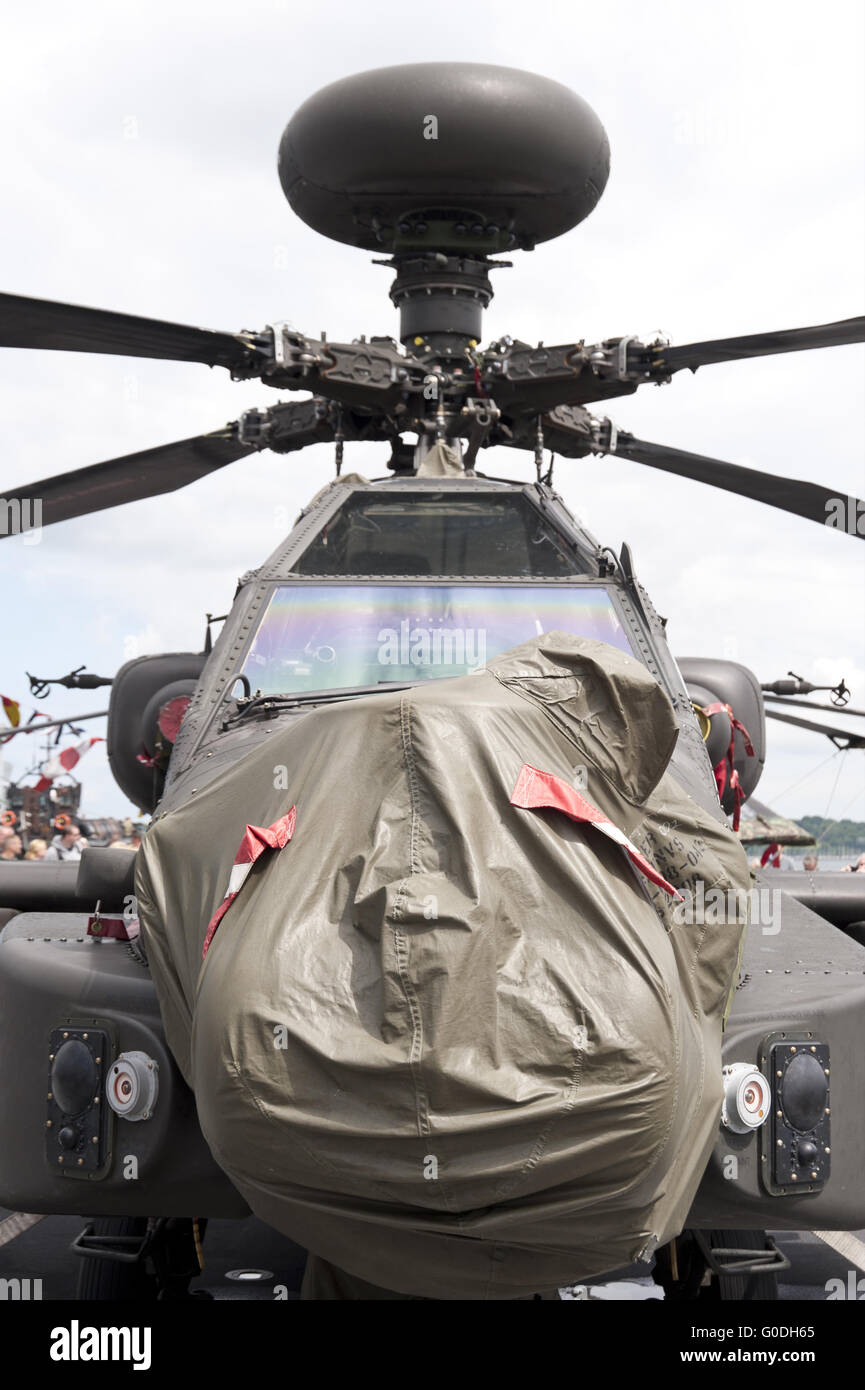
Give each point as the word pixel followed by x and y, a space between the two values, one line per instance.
pixel 78 1123
pixel 797 1142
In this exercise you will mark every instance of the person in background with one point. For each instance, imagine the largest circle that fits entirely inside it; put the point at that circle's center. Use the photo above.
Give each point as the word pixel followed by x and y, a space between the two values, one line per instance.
pixel 67 844
pixel 134 842
pixel 857 868
pixel 12 847
pixel 772 858
pixel 36 849
pixel 809 863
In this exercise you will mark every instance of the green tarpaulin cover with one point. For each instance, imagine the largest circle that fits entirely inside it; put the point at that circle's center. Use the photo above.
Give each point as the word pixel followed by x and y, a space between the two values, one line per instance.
pixel 459 1048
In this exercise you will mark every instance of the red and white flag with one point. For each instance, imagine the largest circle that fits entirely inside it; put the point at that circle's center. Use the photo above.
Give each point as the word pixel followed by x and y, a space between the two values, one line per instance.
pixel 64 762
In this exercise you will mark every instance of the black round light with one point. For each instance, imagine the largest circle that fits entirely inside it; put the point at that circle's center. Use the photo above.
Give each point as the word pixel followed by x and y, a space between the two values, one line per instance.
pixel 74 1077
pixel 804 1091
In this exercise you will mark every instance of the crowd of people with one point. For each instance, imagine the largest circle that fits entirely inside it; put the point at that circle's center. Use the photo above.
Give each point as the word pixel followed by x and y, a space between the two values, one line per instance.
pixel 69 841
pixel 773 857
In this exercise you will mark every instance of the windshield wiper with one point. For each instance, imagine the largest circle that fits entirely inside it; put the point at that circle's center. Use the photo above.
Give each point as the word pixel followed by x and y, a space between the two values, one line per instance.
pixel 269 706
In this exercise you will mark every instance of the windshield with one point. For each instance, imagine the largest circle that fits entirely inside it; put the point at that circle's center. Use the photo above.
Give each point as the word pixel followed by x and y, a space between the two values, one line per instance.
pixel 334 636
pixel 438 533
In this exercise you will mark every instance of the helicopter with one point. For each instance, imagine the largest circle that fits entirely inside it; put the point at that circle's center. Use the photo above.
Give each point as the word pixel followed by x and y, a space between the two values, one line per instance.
pixel 474 1033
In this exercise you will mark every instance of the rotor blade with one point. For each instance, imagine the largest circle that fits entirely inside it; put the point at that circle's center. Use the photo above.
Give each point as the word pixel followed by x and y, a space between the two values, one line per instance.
pixel 52 724
pixel 814 704
pixel 815 502
pixel 42 323
pixel 693 355
pixel 851 740
pixel 131 478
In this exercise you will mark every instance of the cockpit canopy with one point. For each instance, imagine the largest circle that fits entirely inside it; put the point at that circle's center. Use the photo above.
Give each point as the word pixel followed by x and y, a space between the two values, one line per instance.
pixel 404 586
pixel 498 534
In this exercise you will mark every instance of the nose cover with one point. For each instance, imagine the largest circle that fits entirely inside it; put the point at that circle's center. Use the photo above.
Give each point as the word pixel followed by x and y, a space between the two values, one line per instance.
pixel 453 1032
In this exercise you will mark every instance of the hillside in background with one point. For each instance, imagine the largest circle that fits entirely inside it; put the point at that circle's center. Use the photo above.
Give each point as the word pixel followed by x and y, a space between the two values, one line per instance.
pixel 834 834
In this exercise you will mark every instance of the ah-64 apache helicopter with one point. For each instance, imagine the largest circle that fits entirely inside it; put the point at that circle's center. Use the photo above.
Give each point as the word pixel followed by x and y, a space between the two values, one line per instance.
pixel 457 982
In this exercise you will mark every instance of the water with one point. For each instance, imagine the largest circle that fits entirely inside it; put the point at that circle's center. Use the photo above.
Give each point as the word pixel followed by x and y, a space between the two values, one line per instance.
pixel 827 862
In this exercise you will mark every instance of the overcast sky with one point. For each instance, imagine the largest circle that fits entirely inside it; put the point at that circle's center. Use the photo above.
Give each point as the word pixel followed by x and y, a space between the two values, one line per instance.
pixel 139 173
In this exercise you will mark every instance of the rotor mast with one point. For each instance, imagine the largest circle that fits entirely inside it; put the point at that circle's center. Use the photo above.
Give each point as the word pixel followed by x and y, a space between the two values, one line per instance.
pixel 441 298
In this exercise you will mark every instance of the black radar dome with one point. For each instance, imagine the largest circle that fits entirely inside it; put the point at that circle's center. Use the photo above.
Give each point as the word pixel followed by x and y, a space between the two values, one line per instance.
pixel 444 155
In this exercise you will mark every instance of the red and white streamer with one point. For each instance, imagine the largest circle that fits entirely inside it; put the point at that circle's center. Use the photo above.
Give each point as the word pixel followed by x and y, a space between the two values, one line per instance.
pixel 536 791
pixel 256 840
pixel 64 762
